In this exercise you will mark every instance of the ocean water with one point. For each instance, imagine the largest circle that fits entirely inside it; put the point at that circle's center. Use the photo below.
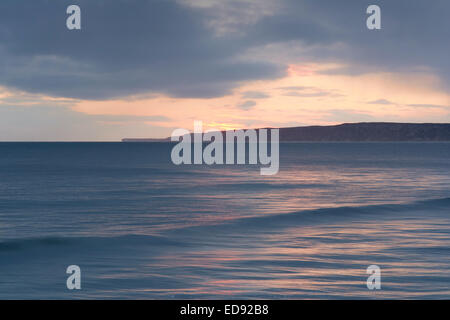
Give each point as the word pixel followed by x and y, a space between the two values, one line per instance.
pixel 140 227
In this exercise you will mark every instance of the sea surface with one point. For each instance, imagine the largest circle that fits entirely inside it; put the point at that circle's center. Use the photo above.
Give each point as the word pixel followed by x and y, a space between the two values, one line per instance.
pixel 140 227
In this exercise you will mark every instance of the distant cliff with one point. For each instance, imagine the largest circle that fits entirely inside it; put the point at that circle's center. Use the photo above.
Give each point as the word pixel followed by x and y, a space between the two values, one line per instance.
pixel 370 131
pixel 367 131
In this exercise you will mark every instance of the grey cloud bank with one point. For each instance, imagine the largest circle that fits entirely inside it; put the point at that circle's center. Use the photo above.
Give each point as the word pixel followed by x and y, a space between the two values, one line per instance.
pixel 170 47
pixel 124 48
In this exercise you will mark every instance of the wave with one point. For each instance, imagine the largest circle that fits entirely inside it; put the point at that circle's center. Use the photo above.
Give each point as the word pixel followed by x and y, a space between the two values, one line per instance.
pixel 323 215
pixel 64 242
pixel 329 215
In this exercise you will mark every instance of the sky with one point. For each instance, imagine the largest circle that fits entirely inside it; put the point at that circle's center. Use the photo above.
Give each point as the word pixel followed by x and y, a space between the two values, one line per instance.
pixel 142 68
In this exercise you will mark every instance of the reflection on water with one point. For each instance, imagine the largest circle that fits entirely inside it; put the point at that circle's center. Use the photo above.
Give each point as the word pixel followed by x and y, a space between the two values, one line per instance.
pixel 140 227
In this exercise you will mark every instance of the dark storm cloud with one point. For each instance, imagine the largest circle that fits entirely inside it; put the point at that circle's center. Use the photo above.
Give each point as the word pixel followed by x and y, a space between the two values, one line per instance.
pixel 124 47
pixel 414 34
pixel 140 46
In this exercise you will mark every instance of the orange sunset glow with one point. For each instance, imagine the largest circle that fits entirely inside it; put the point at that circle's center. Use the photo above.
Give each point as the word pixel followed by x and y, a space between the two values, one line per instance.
pixel 305 95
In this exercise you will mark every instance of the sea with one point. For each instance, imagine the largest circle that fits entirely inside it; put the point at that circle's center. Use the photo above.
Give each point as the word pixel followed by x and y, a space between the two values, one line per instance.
pixel 140 227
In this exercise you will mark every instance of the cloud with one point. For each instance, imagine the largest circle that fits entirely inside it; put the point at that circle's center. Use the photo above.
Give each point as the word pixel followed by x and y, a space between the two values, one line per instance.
pixel 255 95
pixel 411 39
pixel 247 105
pixel 381 101
pixel 306 92
pixel 306 95
pixel 296 88
pixel 128 118
pixel 150 46
pixel 428 106
pixel 20 98
pixel 206 49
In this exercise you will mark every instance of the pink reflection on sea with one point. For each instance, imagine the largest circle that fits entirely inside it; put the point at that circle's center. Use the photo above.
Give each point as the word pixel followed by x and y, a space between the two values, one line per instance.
pixel 320 260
